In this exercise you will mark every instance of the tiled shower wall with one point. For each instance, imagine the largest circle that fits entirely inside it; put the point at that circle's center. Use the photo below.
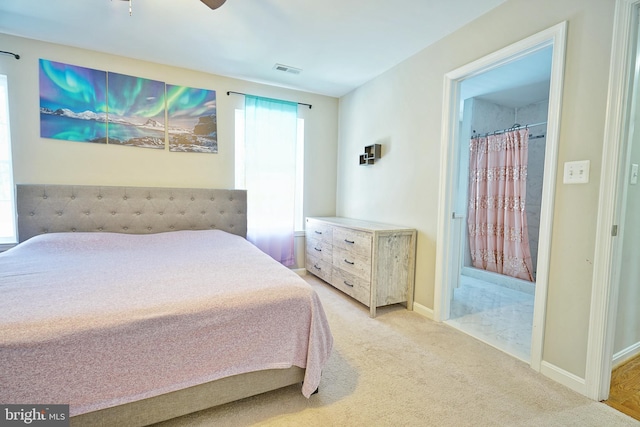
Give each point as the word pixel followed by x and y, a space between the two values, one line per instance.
pixel 534 113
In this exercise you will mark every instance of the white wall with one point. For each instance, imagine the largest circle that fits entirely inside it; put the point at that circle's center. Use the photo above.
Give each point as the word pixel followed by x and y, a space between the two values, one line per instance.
pixel 402 109
pixel 39 160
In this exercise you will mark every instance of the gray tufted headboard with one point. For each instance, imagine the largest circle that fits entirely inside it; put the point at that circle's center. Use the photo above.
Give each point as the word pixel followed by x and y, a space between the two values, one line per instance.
pixel 135 210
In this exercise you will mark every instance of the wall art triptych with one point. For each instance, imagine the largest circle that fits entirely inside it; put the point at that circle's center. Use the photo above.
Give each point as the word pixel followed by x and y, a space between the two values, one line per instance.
pixel 86 105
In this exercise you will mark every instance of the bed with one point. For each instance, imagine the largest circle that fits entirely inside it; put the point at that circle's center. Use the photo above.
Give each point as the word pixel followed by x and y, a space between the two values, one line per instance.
pixel 136 305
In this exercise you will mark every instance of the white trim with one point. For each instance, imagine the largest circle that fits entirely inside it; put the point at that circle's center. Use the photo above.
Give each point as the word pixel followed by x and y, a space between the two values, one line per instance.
pixel 625 355
pixel 423 311
pixel 605 287
pixel 556 37
pixel 441 298
pixel 559 37
pixel 563 377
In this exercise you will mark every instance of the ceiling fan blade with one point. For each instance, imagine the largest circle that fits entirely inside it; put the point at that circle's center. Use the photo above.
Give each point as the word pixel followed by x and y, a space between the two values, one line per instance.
pixel 213 4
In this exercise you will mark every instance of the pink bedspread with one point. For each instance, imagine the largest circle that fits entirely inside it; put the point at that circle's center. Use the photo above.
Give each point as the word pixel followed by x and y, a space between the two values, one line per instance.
pixel 100 319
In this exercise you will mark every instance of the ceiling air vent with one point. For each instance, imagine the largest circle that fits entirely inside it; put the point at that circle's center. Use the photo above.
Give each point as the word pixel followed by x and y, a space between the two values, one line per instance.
pixel 287 69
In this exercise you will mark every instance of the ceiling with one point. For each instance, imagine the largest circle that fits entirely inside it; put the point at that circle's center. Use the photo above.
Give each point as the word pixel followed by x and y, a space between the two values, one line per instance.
pixel 515 84
pixel 338 44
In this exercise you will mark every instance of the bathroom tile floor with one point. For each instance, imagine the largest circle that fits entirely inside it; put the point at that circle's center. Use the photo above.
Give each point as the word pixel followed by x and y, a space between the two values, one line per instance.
pixel 494 314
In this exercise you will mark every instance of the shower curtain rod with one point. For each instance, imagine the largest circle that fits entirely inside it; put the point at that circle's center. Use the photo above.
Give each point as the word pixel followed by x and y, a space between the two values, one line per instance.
pixel 516 126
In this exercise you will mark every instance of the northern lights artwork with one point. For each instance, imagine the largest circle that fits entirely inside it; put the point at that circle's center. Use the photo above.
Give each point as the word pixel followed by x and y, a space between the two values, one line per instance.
pixel 73 103
pixel 192 121
pixel 86 105
pixel 136 111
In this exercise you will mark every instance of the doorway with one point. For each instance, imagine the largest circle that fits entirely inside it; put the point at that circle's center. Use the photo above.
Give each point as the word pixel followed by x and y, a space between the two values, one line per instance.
pixel 462 87
pixel 614 329
pixel 492 307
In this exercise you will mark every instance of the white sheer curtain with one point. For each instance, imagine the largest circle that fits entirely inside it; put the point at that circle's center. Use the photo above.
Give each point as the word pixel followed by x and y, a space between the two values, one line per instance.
pixel 7 206
pixel 270 136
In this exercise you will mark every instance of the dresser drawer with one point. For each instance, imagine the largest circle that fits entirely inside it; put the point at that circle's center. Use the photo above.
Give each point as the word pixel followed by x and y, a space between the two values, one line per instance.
pixel 319 230
pixel 319 249
pixel 355 241
pixel 351 285
pixel 357 265
pixel 318 267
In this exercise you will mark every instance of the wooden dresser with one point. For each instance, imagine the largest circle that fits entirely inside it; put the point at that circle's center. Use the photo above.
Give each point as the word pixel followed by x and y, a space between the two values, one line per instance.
pixel 373 263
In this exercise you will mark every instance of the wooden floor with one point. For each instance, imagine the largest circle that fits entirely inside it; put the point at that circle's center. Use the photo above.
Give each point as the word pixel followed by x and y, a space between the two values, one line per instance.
pixel 624 394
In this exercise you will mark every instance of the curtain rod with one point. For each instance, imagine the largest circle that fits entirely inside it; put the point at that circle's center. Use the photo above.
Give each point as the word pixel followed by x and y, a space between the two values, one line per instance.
pixel 229 92
pixel 516 126
pixel 15 55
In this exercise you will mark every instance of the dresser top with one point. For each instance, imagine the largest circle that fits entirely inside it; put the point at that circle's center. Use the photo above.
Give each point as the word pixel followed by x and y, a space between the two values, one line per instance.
pixel 361 224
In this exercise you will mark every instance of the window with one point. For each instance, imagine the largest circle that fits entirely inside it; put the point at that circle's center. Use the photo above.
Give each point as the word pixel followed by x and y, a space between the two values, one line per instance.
pixel 269 164
pixel 7 203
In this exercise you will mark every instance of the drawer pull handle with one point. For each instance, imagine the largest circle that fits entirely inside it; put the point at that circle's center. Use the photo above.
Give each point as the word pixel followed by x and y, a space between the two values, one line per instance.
pixel 319 250
pixel 348 284
pixel 349 262
pixel 317 232
pixel 350 241
pixel 316 267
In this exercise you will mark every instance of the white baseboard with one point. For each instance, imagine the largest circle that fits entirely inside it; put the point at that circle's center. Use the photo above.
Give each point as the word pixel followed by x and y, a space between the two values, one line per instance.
pixel 300 271
pixel 625 355
pixel 563 377
pixel 423 311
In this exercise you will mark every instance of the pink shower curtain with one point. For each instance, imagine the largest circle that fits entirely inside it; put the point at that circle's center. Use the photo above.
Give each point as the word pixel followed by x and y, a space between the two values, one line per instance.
pixel 497 220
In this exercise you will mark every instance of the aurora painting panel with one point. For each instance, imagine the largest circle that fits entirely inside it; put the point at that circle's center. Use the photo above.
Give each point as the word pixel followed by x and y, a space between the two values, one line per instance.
pixel 192 120
pixel 136 110
pixel 72 102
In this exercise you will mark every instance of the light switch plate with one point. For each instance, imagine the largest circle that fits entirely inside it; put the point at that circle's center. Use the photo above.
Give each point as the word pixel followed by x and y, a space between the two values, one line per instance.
pixel 634 173
pixel 576 172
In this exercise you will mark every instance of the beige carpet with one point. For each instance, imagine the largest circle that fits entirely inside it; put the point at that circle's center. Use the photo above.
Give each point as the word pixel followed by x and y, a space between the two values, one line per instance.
pixel 401 369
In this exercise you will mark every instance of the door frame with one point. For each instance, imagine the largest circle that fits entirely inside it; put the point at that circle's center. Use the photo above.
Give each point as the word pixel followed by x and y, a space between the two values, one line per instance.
pixel 556 37
pixel 604 294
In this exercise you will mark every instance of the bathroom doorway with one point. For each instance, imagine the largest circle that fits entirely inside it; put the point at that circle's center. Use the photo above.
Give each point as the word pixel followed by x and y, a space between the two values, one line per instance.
pixel 498 308
pixel 519 85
